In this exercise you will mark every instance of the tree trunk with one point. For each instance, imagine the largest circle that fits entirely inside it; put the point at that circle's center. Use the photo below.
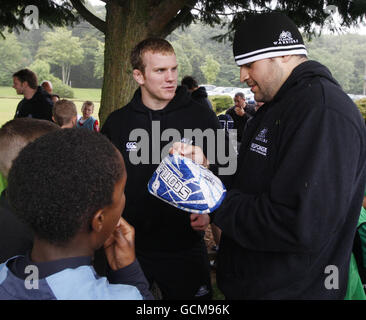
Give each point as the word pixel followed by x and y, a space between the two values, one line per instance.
pixel 124 28
pixel 68 70
pixel 127 23
pixel 364 80
pixel 63 72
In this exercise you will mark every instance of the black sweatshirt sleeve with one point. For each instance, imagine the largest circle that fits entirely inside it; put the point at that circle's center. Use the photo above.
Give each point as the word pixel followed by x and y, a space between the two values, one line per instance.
pixel 131 275
pixel 309 193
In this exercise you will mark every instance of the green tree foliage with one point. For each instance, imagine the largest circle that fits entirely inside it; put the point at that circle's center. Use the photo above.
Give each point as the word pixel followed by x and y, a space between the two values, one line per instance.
pixel 344 55
pixel 42 70
pixel 196 41
pixel 210 69
pixel 92 42
pixel 12 58
pixel 361 104
pixel 61 48
pixel 221 103
pixel 184 64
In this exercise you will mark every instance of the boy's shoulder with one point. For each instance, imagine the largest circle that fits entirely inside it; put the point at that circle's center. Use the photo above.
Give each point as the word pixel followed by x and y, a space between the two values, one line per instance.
pixel 83 283
pixel 80 283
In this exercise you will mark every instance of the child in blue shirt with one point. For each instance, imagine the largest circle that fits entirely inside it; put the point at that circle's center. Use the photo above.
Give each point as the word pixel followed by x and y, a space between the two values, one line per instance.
pixel 87 121
pixel 74 207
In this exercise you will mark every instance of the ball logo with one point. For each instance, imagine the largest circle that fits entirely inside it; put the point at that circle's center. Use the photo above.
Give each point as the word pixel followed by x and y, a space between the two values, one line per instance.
pixel 173 182
pixel 155 186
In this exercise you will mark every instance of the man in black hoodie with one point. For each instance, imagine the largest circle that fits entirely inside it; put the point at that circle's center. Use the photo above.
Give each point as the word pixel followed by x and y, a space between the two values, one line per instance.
pixel 198 93
pixel 37 103
pixel 290 215
pixel 169 242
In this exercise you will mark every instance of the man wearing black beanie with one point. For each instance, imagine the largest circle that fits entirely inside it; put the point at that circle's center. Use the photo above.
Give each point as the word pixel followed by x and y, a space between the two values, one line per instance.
pixel 289 218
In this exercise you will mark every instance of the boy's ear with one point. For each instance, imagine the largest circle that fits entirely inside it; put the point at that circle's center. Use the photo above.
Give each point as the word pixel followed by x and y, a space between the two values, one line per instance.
pixel 138 76
pixel 98 221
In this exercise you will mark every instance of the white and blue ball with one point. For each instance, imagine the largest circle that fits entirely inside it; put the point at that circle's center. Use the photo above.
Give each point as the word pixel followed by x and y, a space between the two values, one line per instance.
pixel 186 185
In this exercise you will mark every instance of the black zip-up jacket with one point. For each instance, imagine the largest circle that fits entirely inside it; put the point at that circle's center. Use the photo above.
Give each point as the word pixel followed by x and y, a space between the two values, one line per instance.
pixel 39 106
pixel 200 95
pixel 289 219
pixel 158 225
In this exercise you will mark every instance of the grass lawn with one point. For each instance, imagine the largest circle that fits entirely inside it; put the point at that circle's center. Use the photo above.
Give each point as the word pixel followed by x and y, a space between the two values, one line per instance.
pixel 9 101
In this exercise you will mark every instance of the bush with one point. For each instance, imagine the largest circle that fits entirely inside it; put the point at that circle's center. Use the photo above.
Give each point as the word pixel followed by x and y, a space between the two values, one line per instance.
pixel 61 89
pixel 221 103
pixel 361 104
pixel 42 69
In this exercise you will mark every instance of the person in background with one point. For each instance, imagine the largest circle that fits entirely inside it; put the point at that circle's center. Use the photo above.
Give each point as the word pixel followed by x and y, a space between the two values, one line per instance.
pixel 239 114
pixel 198 93
pixel 55 98
pixel 47 86
pixel 87 121
pixel 65 114
pixel 37 103
pixel 15 236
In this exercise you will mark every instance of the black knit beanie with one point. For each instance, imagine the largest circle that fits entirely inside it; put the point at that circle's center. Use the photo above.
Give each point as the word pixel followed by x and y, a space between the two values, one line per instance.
pixel 267 35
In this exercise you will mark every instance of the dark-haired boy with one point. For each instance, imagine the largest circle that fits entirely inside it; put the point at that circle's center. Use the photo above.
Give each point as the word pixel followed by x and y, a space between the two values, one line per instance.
pixel 72 215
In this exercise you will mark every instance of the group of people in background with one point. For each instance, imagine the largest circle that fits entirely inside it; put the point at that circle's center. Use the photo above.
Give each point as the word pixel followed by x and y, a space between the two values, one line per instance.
pixel 77 208
pixel 39 102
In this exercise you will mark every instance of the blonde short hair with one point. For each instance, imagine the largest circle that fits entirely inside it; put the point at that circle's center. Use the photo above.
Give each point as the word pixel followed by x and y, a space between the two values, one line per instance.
pixel 64 111
pixel 154 45
pixel 16 134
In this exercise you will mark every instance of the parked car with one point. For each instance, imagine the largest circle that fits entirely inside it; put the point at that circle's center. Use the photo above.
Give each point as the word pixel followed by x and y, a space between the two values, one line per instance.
pixel 208 87
pixel 249 95
pixel 216 91
pixel 356 97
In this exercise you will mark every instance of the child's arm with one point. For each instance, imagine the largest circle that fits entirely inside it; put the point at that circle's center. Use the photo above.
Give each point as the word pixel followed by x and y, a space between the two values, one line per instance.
pixel 96 126
pixel 120 252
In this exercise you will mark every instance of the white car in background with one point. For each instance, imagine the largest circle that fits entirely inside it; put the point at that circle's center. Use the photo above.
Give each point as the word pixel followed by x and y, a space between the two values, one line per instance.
pixel 230 91
pixel 208 87
pixel 249 95
pixel 216 91
pixel 356 97
pixel 221 91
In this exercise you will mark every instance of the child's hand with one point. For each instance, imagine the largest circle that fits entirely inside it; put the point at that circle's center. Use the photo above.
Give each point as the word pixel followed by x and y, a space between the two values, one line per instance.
pixel 120 246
